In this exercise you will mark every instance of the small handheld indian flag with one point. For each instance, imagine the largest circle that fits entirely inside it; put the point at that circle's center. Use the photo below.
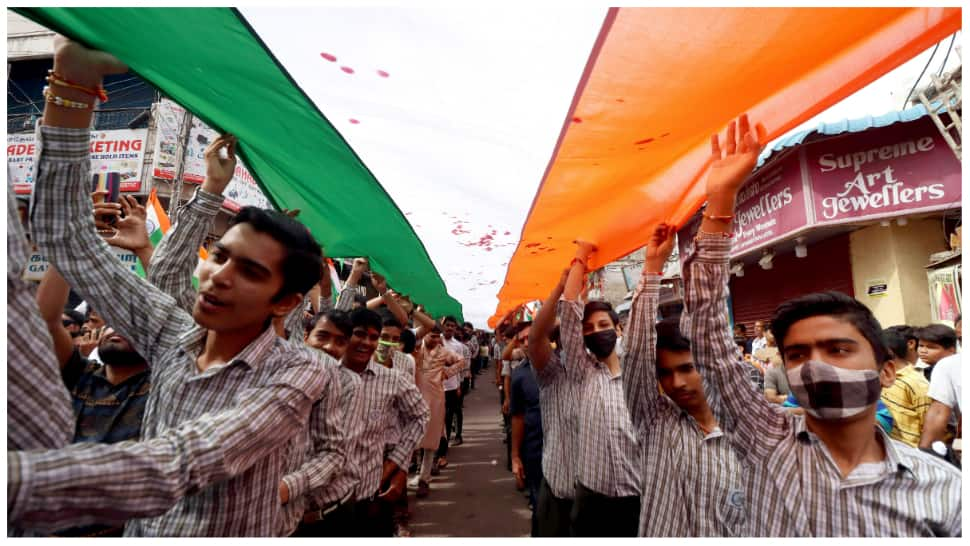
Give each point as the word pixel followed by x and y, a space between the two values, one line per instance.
pixel 334 280
pixel 158 224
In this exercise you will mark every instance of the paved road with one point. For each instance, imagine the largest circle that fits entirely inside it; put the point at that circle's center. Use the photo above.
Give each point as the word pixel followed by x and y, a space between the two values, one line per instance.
pixel 475 495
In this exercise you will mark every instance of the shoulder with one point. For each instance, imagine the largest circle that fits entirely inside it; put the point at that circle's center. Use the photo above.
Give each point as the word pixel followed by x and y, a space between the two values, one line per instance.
pixel 929 469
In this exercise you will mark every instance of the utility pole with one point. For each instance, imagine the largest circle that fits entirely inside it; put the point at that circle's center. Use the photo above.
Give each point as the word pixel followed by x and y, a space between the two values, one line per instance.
pixel 176 197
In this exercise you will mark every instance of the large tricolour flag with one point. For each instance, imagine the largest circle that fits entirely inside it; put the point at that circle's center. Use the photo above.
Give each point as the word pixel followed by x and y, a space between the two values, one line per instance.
pixel 464 149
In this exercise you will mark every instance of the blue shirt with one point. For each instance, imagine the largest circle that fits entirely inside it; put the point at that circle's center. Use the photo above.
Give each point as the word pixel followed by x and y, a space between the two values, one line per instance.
pixel 105 413
pixel 525 401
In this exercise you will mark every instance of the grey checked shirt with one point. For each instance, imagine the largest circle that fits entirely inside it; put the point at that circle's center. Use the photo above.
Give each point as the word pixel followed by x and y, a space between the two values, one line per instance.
pixel 215 444
pixel 792 484
pixel 608 461
pixel 39 411
pixel 558 392
pixel 315 461
pixel 692 482
pixel 385 394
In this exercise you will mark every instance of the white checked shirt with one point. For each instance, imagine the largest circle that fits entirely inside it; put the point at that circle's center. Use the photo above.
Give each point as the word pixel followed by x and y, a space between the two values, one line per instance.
pixel 792 484
pixel 403 364
pixel 558 392
pixel 214 444
pixel 608 461
pixel 385 393
pixel 318 456
pixel 692 482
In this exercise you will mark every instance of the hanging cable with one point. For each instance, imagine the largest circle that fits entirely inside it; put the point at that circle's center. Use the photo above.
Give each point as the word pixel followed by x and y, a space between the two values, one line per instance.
pixel 945 58
pixel 905 102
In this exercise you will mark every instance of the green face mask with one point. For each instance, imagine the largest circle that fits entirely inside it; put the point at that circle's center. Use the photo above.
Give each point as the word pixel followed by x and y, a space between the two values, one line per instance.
pixel 385 351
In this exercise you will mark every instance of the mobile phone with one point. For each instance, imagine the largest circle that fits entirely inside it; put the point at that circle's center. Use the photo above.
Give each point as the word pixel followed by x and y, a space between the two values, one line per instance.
pixel 111 184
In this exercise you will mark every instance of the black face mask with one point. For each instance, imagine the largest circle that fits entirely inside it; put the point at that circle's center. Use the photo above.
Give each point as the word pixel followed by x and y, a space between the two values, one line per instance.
pixel 602 343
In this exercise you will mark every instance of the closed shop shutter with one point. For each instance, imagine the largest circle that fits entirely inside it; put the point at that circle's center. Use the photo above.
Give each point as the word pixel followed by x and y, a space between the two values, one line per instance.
pixel 756 295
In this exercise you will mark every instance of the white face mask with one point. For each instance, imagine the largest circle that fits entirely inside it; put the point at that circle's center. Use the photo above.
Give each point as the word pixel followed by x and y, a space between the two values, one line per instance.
pixel 829 392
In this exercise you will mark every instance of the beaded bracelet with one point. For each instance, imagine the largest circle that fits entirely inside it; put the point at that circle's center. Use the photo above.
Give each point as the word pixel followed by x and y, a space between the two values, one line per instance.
pixel 56 79
pixel 718 218
pixel 62 102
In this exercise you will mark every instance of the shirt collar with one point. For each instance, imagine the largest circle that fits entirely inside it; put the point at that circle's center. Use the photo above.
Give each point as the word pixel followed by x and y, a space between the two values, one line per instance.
pixel 895 458
pixel 193 341
pixel 373 368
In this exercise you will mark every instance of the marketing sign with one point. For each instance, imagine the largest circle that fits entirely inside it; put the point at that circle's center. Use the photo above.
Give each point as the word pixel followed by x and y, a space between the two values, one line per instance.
pixel 891 171
pixel 242 190
pixel 37 264
pixel 121 151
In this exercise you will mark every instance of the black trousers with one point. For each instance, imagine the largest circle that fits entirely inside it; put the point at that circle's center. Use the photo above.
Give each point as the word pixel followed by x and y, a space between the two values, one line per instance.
pixel 596 515
pixel 339 523
pixel 553 514
pixel 374 518
pixel 442 448
pixel 452 413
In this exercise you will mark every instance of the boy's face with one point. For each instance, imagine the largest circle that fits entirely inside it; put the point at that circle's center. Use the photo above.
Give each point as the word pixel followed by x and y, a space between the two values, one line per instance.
pixel 240 280
pixel 931 353
pixel 833 341
pixel 326 337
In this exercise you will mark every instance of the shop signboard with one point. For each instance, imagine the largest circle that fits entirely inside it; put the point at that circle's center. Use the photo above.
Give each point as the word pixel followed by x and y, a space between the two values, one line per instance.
pixel 242 189
pixel 901 169
pixel 770 206
pixel 121 151
pixel 37 264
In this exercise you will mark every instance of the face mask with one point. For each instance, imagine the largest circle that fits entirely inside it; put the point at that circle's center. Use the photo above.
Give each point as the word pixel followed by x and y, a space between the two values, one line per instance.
pixel 829 392
pixel 385 351
pixel 602 343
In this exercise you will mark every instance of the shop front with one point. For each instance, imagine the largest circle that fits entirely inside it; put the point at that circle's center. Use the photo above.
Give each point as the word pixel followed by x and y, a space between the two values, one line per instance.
pixel 865 207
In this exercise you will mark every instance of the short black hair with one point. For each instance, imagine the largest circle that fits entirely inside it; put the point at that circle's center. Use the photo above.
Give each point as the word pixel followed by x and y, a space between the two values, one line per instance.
pixel 896 342
pixel 436 329
pixel 834 304
pixel 669 337
pixel 303 257
pixel 596 306
pixel 366 318
pixel 340 319
pixel 76 316
pixel 449 318
pixel 908 332
pixel 408 341
pixel 518 327
pixel 468 325
pixel 391 322
pixel 742 327
pixel 940 334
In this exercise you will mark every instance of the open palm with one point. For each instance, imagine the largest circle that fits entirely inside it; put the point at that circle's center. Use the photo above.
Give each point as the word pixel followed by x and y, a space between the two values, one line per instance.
pixel 731 168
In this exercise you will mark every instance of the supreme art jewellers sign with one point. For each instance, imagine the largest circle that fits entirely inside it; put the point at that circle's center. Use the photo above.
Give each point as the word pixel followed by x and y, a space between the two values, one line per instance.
pixel 901 169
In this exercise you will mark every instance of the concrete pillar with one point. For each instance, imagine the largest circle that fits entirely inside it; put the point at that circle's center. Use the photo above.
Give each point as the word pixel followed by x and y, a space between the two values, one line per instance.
pixel 897 255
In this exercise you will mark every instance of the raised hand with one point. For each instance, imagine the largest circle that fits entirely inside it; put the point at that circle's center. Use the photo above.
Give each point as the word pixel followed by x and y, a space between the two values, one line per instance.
pixel 88 342
pixel 82 65
pixel 130 231
pixel 659 249
pixel 219 170
pixel 379 282
pixel 732 166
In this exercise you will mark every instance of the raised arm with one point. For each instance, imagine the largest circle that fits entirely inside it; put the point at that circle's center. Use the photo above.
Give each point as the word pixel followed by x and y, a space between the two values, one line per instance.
pixel 83 484
pixel 743 410
pixel 177 255
pixel 570 311
pixel 539 346
pixel 640 359
pixel 426 322
pixel 345 302
pixel 52 294
pixel 61 217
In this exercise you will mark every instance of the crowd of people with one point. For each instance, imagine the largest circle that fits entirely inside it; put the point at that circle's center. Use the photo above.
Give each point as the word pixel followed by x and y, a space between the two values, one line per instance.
pixel 237 397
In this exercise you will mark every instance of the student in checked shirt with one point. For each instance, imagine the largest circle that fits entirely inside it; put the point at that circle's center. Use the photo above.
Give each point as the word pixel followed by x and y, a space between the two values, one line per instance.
pixel 607 501
pixel 692 478
pixel 228 397
pixel 385 394
pixel 318 454
pixel 558 393
pixel 833 471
